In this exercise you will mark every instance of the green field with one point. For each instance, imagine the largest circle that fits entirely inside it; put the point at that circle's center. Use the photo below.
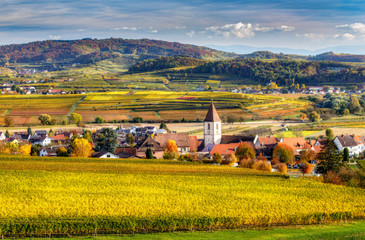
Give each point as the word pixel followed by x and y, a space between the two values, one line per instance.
pixel 92 196
pixel 355 230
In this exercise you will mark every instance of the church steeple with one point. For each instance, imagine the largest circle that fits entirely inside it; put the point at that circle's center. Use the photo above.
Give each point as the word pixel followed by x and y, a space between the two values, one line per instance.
pixel 212 115
pixel 212 127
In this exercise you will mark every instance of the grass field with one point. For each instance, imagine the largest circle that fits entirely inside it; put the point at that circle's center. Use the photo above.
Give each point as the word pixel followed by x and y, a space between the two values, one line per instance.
pixel 88 196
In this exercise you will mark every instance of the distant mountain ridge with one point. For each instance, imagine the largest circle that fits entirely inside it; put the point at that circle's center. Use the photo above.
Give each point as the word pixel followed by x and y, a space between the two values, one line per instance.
pixel 130 51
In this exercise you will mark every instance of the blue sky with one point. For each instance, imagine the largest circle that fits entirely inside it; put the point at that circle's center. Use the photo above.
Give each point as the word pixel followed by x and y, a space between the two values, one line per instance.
pixel 306 24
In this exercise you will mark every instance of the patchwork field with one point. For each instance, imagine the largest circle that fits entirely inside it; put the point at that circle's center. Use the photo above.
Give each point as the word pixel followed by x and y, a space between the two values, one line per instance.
pixel 50 196
pixel 152 106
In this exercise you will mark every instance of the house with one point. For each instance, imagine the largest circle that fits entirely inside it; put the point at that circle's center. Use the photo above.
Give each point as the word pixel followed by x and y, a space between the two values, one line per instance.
pixel 298 144
pixel 265 145
pixel 181 139
pixel 104 154
pixel 40 133
pixel 238 138
pixel 155 147
pixel 225 149
pixel 48 152
pixel 126 152
pixel 355 144
pixel 2 136
pixel 44 141
pixel 194 143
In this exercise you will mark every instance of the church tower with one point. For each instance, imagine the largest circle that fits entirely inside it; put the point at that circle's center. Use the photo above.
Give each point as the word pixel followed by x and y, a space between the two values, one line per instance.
pixel 212 127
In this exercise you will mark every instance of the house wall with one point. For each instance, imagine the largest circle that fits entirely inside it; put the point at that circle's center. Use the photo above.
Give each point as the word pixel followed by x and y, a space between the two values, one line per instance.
pixel 110 155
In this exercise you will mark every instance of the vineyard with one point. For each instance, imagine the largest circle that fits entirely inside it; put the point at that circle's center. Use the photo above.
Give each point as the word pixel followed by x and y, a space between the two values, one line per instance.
pixel 152 106
pixel 59 196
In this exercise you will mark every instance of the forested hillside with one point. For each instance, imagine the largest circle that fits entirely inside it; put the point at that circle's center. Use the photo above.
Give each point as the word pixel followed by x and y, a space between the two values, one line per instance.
pixel 94 50
pixel 283 72
pixel 164 62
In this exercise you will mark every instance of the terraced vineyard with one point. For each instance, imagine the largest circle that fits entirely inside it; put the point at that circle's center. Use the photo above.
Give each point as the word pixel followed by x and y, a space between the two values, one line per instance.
pixel 152 106
pixel 50 196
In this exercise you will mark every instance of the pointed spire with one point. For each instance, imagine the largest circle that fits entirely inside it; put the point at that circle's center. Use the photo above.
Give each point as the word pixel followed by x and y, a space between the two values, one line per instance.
pixel 212 115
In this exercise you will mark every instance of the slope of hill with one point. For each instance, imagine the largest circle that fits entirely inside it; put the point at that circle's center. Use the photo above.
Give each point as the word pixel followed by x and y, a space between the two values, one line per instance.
pixel 271 55
pixel 338 57
pixel 94 50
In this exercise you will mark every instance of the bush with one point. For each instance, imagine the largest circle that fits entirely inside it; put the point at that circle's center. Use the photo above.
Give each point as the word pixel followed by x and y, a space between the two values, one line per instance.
pixel 282 168
pixel 332 177
pixel 264 166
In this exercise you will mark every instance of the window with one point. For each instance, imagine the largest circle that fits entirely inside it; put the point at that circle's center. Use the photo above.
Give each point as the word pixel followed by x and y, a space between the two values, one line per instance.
pixel 217 126
pixel 108 156
pixel 208 126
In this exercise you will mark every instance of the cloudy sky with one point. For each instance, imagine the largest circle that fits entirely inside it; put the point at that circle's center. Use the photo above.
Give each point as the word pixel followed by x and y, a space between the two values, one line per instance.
pixel 306 24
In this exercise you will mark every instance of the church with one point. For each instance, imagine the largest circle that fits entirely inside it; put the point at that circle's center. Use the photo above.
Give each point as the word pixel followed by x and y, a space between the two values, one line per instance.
pixel 212 127
pixel 213 138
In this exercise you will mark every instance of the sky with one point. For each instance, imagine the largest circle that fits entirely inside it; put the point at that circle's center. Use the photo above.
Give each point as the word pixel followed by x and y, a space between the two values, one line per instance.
pixel 305 24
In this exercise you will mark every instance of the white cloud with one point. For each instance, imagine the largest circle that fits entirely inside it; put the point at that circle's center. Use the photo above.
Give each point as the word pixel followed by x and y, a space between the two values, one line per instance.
pixel 285 28
pixel 54 37
pixel 348 36
pixel 240 30
pixel 245 30
pixel 124 29
pixel 191 33
pixel 355 27
pixel 154 31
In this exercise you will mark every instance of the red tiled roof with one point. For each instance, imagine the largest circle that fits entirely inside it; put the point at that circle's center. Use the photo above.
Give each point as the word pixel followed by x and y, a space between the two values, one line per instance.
pixel 225 149
pixel 270 140
pixel 181 139
pixel 193 141
pixel 59 137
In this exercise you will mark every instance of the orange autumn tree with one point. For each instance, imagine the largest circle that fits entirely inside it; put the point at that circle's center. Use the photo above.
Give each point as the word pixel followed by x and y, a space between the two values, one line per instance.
pixel 245 151
pixel 305 168
pixel 171 151
pixel 283 154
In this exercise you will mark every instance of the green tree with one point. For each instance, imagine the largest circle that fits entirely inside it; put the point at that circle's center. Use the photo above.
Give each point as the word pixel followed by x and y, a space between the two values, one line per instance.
pixel 245 150
pixel 50 133
pixel 217 158
pixel 149 154
pixel 329 159
pixel 88 136
pixel 29 131
pixel 99 120
pixel 76 118
pixel 7 134
pixel 354 104
pixel 346 112
pixel 329 134
pixel 346 155
pixel 107 140
pixel 130 139
pixel 61 152
pixel 314 116
pixel 45 119
pixel 34 151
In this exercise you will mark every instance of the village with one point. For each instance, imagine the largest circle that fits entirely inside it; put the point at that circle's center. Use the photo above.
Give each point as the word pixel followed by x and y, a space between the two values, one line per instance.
pixel 153 142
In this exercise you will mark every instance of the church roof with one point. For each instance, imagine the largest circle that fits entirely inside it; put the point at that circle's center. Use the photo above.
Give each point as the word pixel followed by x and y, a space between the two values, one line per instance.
pixel 212 115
